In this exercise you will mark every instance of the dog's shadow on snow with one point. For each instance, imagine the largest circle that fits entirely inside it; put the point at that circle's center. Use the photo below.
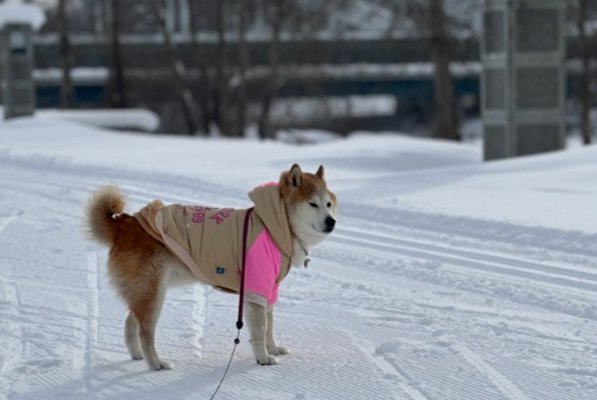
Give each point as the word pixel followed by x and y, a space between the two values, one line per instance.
pixel 123 379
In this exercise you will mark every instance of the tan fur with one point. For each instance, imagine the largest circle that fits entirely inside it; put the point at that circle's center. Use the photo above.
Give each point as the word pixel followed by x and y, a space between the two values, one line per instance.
pixel 101 208
pixel 137 263
pixel 308 184
pixel 140 267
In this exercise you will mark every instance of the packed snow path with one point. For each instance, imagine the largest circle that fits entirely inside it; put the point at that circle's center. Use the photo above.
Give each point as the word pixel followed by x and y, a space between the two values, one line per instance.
pixel 395 305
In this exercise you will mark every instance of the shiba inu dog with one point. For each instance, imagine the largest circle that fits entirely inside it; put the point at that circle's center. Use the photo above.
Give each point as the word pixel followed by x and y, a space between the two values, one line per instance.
pixel 161 246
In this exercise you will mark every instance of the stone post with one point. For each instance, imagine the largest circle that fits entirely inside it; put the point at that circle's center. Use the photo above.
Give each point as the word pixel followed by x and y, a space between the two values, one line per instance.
pixel 523 78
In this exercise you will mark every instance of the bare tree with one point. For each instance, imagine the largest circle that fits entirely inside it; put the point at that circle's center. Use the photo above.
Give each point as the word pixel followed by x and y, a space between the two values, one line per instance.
pixel 66 86
pixel 98 17
pixel 117 96
pixel 179 71
pixel 204 90
pixel 430 20
pixel 580 10
pixel 277 12
pixel 445 124
pixel 243 65
pixel 221 91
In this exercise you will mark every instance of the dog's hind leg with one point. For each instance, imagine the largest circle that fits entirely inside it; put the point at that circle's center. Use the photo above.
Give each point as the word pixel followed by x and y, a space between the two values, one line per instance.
pixel 147 311
pixel 257 322
pixel 272 347
pixel 131 335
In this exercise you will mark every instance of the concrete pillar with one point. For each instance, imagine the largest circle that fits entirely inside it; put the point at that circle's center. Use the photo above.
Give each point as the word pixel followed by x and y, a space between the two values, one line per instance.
pixel 16 57
pixel 18 21
pixel 523 79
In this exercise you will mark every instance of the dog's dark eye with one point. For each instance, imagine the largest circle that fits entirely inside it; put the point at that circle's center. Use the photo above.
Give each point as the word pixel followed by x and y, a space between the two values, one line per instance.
pixel 313 205
pixel 329 204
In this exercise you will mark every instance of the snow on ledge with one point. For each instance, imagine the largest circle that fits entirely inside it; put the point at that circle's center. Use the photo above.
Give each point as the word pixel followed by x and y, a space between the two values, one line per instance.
pixel 18 13
pixel 135 119
pixel 78 74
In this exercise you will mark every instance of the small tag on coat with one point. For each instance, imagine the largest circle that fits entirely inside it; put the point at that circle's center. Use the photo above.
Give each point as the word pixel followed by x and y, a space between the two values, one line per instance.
pixel 220 270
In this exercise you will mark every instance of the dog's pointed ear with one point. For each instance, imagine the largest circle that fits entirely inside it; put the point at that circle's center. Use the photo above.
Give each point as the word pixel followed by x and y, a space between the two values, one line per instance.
pixel 320 172
pixel 295 175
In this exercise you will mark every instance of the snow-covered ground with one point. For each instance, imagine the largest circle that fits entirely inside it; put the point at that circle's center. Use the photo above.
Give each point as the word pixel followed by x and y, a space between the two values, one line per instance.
pixel 446 279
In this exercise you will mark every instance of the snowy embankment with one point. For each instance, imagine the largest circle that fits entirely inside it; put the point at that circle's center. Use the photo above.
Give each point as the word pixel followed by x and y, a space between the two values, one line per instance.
pixel 446 279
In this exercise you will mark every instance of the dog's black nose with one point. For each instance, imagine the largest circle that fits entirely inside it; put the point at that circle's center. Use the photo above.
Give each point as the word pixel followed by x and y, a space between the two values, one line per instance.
pixel 330 223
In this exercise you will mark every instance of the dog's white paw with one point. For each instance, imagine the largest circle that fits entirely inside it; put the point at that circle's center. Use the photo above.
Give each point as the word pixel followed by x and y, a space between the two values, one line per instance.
pixel 267 360
pixel 278 350
pixel 137 357
pixel 163 365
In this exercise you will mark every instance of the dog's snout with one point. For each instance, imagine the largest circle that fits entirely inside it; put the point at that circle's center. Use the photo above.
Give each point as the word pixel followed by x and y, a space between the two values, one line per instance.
pixel 330 223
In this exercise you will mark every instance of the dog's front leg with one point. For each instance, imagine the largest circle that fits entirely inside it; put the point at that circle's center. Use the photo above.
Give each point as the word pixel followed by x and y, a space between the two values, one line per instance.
pixel 270 341
pixel 256 317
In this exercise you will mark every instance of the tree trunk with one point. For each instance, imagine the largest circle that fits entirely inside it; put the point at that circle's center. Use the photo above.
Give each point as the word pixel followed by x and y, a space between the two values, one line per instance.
pixel 243 55
pixel 204 87
pixel 445 121
pixel 220 96
pixel 117 86
pixel 586 78
pixel 264 128
pixel 187 102
pixel 66 87
pixel 207 109
pixel 99 18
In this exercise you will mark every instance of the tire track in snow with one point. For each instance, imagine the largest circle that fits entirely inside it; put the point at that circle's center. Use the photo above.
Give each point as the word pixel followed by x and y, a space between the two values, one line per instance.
pixel 390 370
pixel 5 222
pixel 13 341
pixel 459 356
pixel 505 385
pixel 471 254
pixel 556 276
pixel 89 177
pixel 132 193
pixel 93 312
pixel 564 241
pixel 420 378
pixel 82 358
pixel 572 302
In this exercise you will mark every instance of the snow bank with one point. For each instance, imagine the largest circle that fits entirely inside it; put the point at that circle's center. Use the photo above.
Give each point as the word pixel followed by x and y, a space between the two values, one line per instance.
pixel 376 170
pixel 304 136
pixel 136 119
pixel 551 190
pixel 354 160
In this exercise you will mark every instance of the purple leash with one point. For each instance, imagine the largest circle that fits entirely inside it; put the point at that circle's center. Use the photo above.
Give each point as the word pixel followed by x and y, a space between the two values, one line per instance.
pixel 241 299
pixel 241 295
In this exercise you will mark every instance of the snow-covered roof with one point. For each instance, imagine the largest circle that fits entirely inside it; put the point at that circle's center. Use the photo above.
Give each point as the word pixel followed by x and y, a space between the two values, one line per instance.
pixel 19 13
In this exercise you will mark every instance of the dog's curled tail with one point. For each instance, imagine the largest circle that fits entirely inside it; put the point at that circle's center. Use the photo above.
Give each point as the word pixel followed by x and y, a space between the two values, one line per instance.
pixel 102 208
